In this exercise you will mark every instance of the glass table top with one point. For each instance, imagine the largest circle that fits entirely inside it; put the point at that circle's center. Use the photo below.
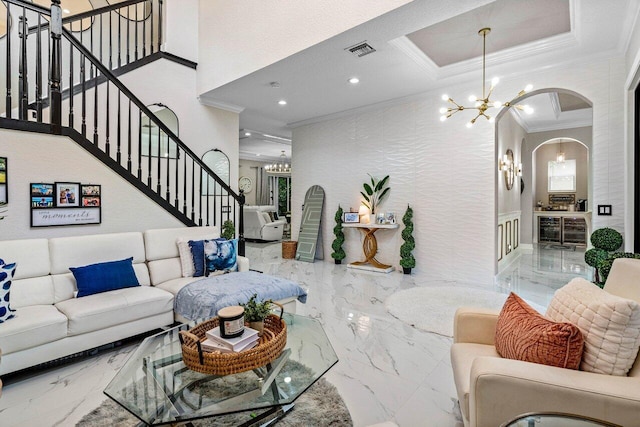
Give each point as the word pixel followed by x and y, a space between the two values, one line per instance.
pixel 156 386
pixel 553 419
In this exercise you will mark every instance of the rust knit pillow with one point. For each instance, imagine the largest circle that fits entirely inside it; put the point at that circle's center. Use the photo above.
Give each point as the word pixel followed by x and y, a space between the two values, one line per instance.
pixel 524 334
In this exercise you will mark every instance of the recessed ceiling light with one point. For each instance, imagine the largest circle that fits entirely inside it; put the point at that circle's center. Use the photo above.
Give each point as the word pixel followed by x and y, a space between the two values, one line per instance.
pixel 282 102
pixel 66 10
pixel 247 134
pixel 354 80
pixel 274 85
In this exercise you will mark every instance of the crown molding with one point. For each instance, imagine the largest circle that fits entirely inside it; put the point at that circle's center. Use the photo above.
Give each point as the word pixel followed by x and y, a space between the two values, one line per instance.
pixel 555 104
pixel 406 46
pixel 220 104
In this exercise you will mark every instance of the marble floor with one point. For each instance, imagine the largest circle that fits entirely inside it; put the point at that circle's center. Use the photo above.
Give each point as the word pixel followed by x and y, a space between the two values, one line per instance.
pixel 387 369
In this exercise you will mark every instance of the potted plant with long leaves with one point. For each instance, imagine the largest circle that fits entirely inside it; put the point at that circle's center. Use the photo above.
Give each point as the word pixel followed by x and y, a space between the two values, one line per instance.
pixel 407 260
pixel 374 193
pixel 228 230
pixel 338 253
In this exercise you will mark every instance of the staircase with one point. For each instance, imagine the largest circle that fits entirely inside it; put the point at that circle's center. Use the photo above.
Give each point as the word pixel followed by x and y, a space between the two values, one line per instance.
pixel 65 74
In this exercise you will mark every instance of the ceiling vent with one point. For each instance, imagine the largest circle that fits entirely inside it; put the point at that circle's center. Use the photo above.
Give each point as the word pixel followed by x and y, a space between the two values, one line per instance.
pixel 361 49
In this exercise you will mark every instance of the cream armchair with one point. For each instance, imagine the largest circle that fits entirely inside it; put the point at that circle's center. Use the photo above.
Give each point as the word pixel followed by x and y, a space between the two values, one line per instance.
pixel 492 390
pixel 258 224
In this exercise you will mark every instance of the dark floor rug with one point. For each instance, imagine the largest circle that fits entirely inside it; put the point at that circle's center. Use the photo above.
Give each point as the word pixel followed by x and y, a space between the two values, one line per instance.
pixel 557 246
pixel 320 405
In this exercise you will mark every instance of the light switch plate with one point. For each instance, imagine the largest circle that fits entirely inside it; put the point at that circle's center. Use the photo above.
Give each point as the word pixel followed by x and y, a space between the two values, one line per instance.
pixel 604 210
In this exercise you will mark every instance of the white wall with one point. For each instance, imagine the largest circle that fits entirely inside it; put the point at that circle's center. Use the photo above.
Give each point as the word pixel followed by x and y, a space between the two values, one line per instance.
pixel 510 136
pixel 250 169
pixel 236 40
pixel 448 172
pixel 181 28
pixel 36 157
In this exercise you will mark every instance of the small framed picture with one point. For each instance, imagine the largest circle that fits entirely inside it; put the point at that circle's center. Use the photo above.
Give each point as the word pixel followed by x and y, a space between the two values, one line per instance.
pixel 90 190
pixel 90 201
pixel 41 190
pixel 390 218
pixel 42 202
pixel 67 194
pixel 380 218
pixel 351 217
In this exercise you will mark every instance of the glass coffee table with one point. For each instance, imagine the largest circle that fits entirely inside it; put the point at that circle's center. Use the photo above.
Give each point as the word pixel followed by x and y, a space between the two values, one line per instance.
pixel 155 385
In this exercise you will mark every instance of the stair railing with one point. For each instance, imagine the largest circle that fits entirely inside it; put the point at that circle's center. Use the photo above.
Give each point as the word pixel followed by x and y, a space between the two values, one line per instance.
pixel 104 116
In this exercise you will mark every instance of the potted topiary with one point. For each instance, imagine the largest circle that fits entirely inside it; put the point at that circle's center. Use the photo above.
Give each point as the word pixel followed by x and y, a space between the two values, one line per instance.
pixel 228 230
pixel 604 241
pixel 407 261
pixel 338 253
pixel 374 193
pixel 255 312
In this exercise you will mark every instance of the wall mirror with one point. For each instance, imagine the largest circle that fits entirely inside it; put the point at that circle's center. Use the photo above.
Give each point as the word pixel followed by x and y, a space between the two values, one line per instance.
pixel 218 162
pixel 155 142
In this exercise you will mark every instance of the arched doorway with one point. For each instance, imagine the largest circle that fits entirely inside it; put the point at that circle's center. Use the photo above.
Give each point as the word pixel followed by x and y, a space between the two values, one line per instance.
pixel 558 113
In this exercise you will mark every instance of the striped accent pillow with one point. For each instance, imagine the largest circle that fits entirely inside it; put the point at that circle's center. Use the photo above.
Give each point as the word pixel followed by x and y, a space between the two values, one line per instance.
pixel 524 334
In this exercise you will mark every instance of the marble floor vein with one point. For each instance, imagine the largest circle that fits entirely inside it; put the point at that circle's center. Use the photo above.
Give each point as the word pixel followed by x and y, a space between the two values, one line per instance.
pixel 387 370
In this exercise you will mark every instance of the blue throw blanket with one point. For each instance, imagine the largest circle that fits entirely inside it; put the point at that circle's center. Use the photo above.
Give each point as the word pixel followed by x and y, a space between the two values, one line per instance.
pixel 203 298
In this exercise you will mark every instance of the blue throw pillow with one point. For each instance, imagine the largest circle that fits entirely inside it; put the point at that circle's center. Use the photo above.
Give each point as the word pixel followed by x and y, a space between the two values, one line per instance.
pixel 6 275
pixel 221 254
pixel 105 276
pixel 197 253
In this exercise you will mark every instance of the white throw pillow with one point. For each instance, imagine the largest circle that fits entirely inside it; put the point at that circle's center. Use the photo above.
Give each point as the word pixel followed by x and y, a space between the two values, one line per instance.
pixel 610 325
pixel 186 259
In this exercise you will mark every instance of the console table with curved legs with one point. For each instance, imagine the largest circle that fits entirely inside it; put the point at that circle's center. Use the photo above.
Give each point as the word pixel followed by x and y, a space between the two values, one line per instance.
pixel 370 247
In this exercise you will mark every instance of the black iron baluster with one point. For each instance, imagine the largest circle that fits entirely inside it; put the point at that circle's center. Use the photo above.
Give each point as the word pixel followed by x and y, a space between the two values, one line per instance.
pixel 184 187
pixel 101 44
pixel 144 36
pixel 151 23
pixel 107 146
pixel 149 153
pixel 71 80
pixel 128 32
pixel 83 80
pixel 55 95
pixel 168 196
pixel 158 184
pixel 95 108
pixel 110 41
pixel 159 24
pixel 215 201
pixel 119 130
pixel 119 37
pixel 193 188
pixel 39 70
pixel 136 34
pixel 207 198
pixel 200 198
pixel 129 139
pixel 140 145
pixel 23 83
pixel 8 54
pixel 91 46
pixel 176 203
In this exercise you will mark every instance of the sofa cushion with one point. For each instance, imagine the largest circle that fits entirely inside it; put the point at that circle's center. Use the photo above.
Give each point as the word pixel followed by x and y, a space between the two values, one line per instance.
pixel 462 357
pixel 32 255
pixel 112 308
pixel 524 334
pixel 610 325
pixel 197 253
pixel 7 271
pixel 186 259
pixel 161 243
pixel 105 276
pixel 32 291
pixel 174 285
pixel 31 327
pixel 220 255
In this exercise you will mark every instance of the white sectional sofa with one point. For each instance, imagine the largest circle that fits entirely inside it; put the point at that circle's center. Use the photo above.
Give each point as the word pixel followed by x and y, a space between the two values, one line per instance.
pixel 52 323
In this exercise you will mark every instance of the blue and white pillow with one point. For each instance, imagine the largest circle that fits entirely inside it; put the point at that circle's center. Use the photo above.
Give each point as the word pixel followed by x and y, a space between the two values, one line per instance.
pixel 197 253
pixel 221 255
pixel 7 272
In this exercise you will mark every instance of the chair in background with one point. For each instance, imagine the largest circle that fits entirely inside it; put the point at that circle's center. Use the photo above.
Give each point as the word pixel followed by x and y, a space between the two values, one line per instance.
pixel 262 223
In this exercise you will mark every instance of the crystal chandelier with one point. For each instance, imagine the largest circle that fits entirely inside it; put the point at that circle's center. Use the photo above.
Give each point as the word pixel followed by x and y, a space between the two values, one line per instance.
pixel 484 103
pixel 281 167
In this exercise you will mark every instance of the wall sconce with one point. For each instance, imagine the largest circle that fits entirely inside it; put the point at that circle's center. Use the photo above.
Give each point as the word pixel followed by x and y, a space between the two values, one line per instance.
pixel 505 163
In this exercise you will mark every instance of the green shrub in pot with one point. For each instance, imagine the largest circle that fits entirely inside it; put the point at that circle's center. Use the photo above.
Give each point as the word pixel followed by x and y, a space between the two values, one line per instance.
pixel 338 253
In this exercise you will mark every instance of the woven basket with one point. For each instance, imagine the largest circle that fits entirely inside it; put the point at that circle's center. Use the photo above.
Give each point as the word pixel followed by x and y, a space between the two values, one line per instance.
pixel 269 347
pixel 289 249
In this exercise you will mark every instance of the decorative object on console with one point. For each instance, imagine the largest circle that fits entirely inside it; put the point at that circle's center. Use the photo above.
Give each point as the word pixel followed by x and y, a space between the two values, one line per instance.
pixel 338 253
pixel 231 321
pixel 375 193
pixel 351 217
pixel 407 260
pixel 484 103
pixel 7 271
pixel 610 325
pixel 228 230
pixel 604 241
pixel 104 276
pixel 524 334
